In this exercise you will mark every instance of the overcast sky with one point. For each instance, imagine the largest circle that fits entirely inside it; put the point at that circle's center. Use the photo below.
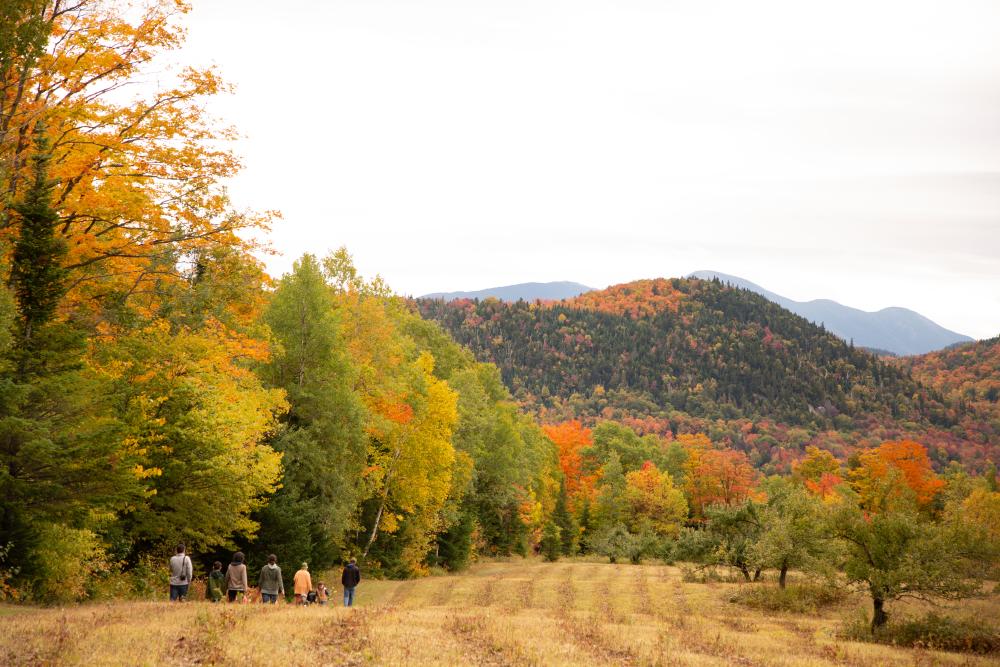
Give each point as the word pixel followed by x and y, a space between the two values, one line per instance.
pixel 844 150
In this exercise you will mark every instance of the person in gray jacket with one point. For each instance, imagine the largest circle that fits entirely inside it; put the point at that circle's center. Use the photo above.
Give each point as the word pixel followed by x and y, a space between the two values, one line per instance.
pixel 181 572
pixel 270 582
pixel 236 578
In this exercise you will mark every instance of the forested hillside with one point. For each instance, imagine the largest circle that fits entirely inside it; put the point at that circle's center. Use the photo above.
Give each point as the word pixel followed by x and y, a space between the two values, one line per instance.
pixel 968 376
pixel 683 354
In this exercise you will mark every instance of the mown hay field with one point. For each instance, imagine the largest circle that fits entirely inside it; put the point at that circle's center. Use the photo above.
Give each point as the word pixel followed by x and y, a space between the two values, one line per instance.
pixel 498 613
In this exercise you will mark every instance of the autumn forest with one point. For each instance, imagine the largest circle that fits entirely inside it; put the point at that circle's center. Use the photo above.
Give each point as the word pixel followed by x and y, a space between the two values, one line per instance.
pixel 158 386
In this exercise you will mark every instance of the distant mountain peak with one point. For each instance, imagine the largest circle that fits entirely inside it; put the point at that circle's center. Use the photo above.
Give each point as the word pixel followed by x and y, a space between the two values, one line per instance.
pixel 551 291
pixel 894 329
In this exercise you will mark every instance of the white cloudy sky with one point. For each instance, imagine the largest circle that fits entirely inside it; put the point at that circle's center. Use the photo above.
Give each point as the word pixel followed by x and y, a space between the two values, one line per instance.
pixel 847 150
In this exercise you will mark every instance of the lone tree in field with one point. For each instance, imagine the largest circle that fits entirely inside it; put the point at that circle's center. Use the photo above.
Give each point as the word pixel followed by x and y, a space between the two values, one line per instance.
pixel 793 531
pixel 899 554
pixel 896 547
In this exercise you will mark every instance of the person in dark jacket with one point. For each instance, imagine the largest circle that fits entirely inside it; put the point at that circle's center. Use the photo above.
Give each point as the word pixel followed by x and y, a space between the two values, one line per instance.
pixel 270 582
pixel 216 582
pixel 350 579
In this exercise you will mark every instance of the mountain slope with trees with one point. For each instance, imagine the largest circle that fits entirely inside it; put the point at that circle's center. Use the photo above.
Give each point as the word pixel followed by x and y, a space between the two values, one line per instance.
pixel 685 348
pixel 899 331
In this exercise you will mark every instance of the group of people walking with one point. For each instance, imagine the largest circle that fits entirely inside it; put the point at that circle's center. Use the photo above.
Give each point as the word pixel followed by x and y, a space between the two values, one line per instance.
pixel 233 584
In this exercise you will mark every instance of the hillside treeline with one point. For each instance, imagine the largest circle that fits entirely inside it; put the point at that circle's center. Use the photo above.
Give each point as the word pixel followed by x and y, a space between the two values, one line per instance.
pixel 714 351
pixel 688 355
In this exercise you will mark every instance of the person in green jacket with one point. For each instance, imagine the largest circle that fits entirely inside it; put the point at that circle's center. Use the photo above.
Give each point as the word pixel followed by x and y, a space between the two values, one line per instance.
pixel 215 583
pixel 270 582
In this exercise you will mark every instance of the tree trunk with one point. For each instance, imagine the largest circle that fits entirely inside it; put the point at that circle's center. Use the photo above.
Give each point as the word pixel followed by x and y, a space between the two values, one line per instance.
pixel 381 508
pixel 756 574
pixel 745 571
pixel 879 617
pixel 784 571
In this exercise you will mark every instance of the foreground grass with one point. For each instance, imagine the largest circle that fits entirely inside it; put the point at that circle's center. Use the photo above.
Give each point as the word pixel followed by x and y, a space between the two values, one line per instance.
pixel 517 613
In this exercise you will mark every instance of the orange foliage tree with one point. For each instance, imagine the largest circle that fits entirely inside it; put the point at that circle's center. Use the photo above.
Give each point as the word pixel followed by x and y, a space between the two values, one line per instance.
pixel 819 471
pixel 893 472
pixel 714 476
pixel 139 178
pixel 570 438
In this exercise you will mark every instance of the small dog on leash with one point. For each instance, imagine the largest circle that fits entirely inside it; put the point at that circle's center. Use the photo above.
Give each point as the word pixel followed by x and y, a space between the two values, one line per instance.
pixel 252 596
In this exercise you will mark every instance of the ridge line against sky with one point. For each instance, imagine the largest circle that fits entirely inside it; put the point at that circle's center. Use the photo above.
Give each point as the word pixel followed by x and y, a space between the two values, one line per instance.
pixel 848 151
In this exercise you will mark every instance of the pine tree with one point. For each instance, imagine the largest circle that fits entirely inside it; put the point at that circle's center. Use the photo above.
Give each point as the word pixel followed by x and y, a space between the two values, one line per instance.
pixel 61 462
pixel 37 276
pixel 569 530
pixel 551 544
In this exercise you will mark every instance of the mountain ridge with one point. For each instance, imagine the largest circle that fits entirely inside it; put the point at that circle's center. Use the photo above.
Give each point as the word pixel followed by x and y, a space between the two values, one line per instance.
pixel 895 329
pixel 530 291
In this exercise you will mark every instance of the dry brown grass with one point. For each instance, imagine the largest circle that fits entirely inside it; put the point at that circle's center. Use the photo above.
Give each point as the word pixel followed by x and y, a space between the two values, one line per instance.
pixel 513 613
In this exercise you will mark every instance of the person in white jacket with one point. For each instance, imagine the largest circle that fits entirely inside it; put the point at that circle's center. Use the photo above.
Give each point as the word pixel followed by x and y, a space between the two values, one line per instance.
pixel 181 572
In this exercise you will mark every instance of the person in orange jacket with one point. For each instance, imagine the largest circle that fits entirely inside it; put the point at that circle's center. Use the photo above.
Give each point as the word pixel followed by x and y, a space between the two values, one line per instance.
pixel 303 584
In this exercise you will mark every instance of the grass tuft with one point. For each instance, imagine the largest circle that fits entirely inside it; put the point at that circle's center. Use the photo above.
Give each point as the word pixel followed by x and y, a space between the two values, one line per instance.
pixel 795 598
pixel 932 631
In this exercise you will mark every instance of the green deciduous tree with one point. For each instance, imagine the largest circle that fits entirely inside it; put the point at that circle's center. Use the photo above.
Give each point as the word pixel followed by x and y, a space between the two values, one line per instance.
pixel 728 538
pixel 631 449
pixel 899 553
pixel 322 437
pixel 794 531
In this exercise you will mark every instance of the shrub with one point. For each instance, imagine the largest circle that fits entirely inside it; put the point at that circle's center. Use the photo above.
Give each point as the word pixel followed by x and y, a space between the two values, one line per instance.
pixel 68 560
pixel 703 574
pixel 794 598
pixel 551 544
pixel 7 573
pixel 932 631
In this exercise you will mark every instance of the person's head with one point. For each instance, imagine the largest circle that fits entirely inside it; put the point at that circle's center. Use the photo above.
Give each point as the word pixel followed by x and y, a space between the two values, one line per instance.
pixel 322 585
pixel 180 548
pixel 238 557
pixel 305 566
pixel 272 559
pixel 217 565
pixel 354 561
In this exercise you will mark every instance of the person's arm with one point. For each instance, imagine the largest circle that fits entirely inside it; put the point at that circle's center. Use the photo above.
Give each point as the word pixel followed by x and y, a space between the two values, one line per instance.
pixel 190 569
pixel 281 584
pixel 246 584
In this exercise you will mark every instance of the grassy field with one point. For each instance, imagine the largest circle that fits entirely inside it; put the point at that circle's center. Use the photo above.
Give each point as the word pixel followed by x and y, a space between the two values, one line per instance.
pixel 516 613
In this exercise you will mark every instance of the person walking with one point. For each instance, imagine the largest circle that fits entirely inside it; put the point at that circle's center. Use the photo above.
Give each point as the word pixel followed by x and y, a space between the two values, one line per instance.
pixel 322 594
pixel 269 581
pixel 350 578
pixel 181 572
pixel 303 584
pixel 216 580
pixel 236 577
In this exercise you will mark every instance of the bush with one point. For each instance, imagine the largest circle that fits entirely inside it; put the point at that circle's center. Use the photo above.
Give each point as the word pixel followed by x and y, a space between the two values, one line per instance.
pixel 704 574
pixel 794 598
pixel 68 561
pixel 551 544
pixel 7 574
pixel 932 631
